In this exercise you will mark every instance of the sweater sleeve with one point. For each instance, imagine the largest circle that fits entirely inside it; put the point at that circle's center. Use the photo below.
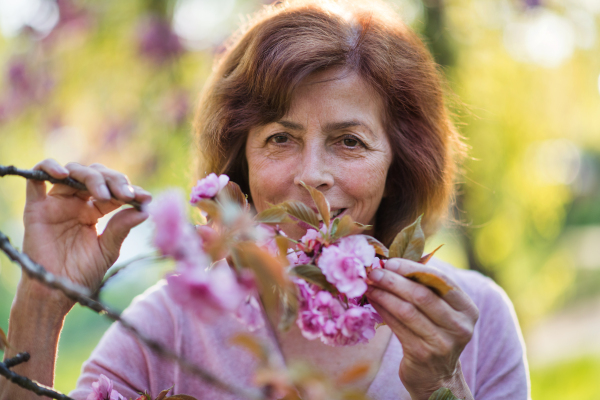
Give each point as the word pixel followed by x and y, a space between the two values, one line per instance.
pixel 502 370
pixel 122 358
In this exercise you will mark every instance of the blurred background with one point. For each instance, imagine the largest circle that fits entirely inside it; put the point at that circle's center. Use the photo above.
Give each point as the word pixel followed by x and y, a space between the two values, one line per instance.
pixel 116 82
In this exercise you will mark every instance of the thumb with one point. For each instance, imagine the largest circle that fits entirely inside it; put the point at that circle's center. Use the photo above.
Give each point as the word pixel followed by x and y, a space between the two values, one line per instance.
pixel 117 230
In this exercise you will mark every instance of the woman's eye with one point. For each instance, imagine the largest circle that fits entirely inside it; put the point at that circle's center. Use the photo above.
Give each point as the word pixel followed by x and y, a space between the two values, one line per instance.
pixel 279 139
pixel 350 142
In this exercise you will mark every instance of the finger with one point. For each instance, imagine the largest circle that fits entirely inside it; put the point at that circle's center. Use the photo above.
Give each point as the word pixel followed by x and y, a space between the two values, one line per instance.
pixel 117 182
pixel 142 196
pixel 429 303
pixel 92 179
pixel 456 298
pixel 405 312
pixel 117 230
pixel 405 335
pixel 36 190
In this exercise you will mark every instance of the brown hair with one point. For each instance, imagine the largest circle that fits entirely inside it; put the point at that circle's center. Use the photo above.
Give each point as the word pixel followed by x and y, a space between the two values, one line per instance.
pixel 254 80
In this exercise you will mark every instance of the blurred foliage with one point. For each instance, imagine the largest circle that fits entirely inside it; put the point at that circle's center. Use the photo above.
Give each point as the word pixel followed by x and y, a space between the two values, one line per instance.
pixel 111 82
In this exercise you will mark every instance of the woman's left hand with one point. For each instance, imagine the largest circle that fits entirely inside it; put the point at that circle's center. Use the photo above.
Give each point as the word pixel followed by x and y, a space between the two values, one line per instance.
pixel 432 329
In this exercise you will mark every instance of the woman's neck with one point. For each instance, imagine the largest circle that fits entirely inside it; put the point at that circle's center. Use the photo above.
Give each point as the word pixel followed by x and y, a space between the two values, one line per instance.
pixel 334 361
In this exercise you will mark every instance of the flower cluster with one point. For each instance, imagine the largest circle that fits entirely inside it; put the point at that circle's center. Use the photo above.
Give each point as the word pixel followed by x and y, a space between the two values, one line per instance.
pixel 205 286
pixel 342 319
pixel 329 265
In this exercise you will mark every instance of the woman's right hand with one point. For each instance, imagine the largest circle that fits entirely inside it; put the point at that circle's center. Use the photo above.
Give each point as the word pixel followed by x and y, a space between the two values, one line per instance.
pixel 60 226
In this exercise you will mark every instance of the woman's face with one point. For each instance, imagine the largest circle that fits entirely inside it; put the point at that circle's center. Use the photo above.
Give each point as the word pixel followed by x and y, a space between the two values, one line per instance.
pixel 333 139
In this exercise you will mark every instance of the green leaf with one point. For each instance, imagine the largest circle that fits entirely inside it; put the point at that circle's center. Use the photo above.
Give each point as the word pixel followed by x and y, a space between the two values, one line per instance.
pixel 334 227
pixel 273 215
pixel 3 340
pixel 298 209
pixel 409 243
pixel 313 274
pixel 443 394
pixel 378 246
pixel 321 203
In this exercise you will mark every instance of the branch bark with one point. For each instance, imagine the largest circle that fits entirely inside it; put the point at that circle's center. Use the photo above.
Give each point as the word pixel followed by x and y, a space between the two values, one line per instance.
pixel 25 382
pixel 43 176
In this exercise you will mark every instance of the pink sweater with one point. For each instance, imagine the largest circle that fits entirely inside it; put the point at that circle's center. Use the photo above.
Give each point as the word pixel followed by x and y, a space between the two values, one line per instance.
pixel 494 362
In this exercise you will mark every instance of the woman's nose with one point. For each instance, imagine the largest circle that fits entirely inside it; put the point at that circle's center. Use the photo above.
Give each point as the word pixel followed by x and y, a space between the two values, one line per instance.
pixel 314 169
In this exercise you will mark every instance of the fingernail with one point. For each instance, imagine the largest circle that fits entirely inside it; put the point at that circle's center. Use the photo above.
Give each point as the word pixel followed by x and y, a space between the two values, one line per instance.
pixel 376 275
pixel 63 170
pixel 129 191
pixel 391 266
pixel 104 193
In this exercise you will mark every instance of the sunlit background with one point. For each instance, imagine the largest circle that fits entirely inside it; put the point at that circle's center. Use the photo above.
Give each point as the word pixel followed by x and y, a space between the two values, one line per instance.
pixel 116 82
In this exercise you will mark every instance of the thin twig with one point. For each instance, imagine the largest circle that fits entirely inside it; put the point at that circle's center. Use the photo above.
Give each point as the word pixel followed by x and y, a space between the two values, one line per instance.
pixel 16 360
pixel 75 293
pixel 118 268
pixel 30 385
pixel 39 175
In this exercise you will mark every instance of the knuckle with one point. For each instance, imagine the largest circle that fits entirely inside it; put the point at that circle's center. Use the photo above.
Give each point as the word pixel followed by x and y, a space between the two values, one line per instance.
pixel 422 296
pixel 408 312
pixel 72 165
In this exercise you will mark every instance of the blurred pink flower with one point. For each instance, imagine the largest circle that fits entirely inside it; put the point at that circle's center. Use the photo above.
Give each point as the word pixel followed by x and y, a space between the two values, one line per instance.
pixel 175 236
pixel 208 187
pixel 157 41
pixel 250 314
pixel 207 293
pixel 102 389
pixel 344 264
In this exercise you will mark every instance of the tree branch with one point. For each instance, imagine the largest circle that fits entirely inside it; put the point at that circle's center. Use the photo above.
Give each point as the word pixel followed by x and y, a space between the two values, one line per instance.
pixel 27 383
pixel 81 296
pixel 16 360
pixel 43 176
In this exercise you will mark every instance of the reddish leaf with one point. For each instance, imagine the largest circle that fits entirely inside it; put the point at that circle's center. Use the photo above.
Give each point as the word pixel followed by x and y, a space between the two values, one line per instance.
pixel 251 343
pixel 210 207
pixel 354 373
pixel 378 246
pixel 163 394
pixel 3 341
pixel 268 270
pixel 273 215
pixel 299 210
pixel 233 193
pixel 321 203
pixel 346 227
pixel 432 281
pixel 425 259
pixel 409 243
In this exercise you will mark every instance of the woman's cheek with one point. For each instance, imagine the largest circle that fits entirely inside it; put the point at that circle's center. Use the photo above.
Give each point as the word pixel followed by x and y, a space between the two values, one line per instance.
pixel 269 181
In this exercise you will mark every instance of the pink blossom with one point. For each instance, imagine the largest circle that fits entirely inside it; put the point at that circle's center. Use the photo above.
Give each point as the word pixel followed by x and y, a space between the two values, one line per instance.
pixel 208 187
pixel 249 313
pixel 311 241
pixel 175 236
pixel 357 325
pixel 344 264
pixel 207 293
pixel 102 389
pixel 310 323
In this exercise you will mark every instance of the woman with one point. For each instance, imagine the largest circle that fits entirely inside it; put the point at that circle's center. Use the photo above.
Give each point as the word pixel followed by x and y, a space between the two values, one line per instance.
pixel 345 98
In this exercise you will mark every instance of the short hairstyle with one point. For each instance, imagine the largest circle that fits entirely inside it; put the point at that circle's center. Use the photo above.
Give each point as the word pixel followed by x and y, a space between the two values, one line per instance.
pixel 255 77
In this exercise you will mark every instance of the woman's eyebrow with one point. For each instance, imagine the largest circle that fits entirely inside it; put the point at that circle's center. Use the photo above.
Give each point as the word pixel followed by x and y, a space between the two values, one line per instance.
pixel 330 127
pixel 339 126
